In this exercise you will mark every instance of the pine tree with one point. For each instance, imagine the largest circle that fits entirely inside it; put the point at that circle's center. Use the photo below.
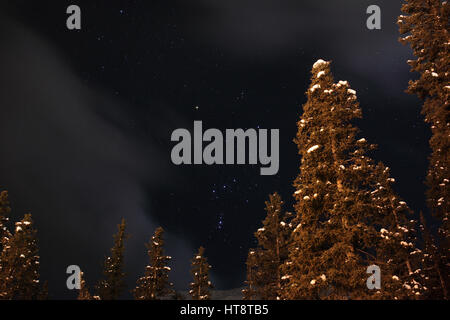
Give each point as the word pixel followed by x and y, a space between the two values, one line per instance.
pixel 43 293
pixel 113 284
pixel 155 284
pixel 19 271
pixel 344 204
pixel 200 272
pixel 397 254
pixel 425 27
pixel 5 211
pixel 273 240
pixel 84 291
pixel 252 285
pixel 434 280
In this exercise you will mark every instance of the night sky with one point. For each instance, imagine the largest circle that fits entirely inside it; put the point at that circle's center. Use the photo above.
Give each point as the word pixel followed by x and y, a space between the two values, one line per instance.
pixel 86 118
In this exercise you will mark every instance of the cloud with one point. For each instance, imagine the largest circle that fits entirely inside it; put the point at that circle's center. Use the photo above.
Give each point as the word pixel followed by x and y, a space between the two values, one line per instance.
pixel 267 32
pixel 74 169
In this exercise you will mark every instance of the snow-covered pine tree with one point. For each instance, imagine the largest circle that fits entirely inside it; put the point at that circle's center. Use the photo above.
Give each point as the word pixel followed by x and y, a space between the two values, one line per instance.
pixel 5 211
pixel 155 283
pixel 113 284
pixel 425 26
pixel 273 240
pixel 433 279
pixel 344 204
pixel 252 285
pixel 397 255
pixel 19 271
pixel 199 288
pixel 84 291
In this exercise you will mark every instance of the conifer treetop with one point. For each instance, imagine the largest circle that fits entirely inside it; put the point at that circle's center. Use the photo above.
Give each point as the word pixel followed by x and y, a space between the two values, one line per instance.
pixel 343 201
pixel 5 211
pixel 113 284
pixel 200 287
pixel 425 26
pixel 155 283
pixel 19 267
pixel 84 293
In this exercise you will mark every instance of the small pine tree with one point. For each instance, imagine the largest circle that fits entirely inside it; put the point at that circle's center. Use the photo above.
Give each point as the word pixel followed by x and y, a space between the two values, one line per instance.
pixel 425 26
pixel 273 240
pixel 113 284
pixel 250 292
pixel 43 294
pixel 84 291
pixel 200 272
pixel 434 280
pixel 19 271
pixel 5 211
pixel 397 255
pixel 155 283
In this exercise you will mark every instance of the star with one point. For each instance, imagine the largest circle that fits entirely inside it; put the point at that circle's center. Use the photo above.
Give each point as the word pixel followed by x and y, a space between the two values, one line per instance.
pixel 241 96
pixel 220 222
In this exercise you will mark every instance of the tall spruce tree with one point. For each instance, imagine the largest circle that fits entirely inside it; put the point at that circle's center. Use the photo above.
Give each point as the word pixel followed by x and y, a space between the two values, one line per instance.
pixel 155 283
pixel 344 205
pixel 425 27
pixel 113 284
pixel 200 273
pixel 19 270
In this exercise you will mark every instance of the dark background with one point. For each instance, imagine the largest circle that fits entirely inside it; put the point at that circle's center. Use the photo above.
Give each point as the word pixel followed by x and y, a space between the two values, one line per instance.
pixel 86 118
